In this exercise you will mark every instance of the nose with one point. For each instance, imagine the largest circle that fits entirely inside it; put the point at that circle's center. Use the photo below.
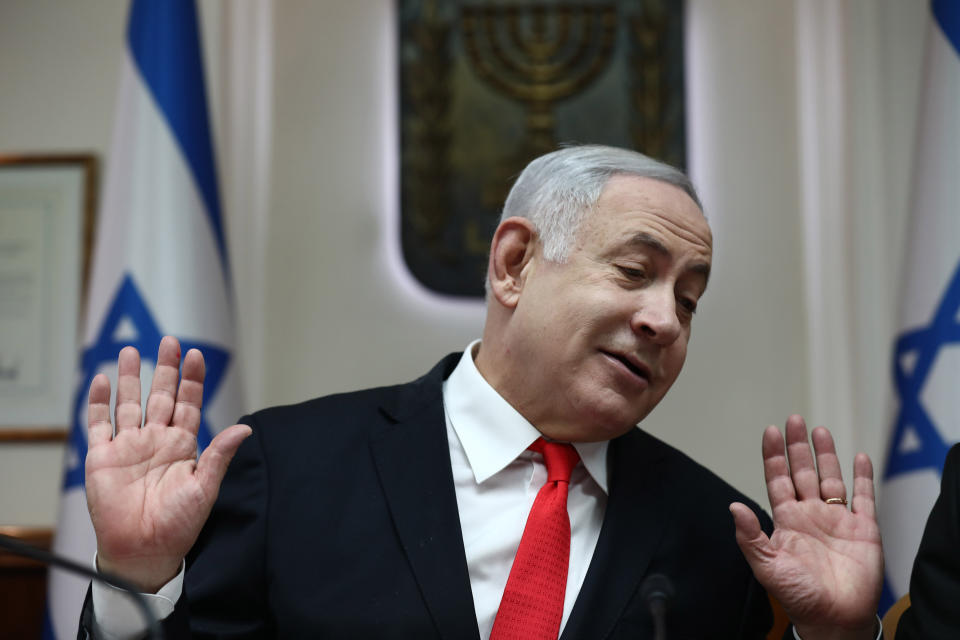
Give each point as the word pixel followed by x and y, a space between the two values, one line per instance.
pixel 656 316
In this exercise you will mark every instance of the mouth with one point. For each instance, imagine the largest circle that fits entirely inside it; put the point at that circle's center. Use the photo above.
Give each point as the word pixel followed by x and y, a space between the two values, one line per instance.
pixel 631 364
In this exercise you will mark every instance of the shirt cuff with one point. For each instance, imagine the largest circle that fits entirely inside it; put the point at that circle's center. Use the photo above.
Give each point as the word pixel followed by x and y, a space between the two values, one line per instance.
pixel 117 617
pixel 879 631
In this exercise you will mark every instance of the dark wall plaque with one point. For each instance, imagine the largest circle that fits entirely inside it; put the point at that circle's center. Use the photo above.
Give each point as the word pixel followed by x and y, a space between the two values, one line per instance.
pixel 487 86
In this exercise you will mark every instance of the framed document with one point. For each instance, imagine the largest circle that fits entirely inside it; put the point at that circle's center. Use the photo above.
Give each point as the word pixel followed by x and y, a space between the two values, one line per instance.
pixel 46 229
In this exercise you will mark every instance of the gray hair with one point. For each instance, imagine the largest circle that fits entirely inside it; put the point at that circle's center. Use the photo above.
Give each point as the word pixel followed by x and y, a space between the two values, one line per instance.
pixel 557 189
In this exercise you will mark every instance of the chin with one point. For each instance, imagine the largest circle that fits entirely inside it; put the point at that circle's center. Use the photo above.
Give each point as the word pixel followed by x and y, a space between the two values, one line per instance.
pixel 628 411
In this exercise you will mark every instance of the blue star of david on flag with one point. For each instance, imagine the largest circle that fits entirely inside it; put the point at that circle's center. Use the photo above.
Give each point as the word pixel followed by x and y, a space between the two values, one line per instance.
pixel 917 443
pixel 128 310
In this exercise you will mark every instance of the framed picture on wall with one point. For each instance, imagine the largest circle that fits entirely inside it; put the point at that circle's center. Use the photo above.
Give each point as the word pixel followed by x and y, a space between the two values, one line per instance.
pixel 47 205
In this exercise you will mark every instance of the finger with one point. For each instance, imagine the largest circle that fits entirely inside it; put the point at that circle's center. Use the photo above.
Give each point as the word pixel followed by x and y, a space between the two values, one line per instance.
pixel 186 413
pixel 128 413
pixel 828 466
pixel 800 457
pixel 775 470
pixel 163 390
pixel 753 542
pixel 99 429
pixel 214 460
pixel 864 501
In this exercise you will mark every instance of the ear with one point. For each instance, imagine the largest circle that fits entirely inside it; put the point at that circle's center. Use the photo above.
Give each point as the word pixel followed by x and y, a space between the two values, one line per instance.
pixel 512 251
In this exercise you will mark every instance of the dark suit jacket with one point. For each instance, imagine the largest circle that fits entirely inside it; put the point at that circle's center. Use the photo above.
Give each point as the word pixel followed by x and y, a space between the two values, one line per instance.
pixel 934 611
pixel 338 519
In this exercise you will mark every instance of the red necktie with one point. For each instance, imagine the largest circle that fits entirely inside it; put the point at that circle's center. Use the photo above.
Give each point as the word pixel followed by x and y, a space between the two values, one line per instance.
pixel 532 603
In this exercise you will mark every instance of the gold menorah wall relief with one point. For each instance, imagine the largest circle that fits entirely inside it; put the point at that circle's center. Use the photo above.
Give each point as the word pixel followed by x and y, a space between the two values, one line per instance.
pixel 539 54
pixel 487 85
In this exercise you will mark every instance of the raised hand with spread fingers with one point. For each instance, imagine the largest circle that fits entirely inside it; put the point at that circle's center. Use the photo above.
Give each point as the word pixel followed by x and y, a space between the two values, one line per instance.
pixel 147 492
pixel 824 562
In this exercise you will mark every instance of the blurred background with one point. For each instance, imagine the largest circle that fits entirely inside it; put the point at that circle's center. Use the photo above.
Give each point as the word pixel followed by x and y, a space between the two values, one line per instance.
pixel 801 119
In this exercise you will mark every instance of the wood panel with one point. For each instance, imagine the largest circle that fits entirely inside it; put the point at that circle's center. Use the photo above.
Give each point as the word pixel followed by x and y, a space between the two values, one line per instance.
pixel 23 586
pixel 780 620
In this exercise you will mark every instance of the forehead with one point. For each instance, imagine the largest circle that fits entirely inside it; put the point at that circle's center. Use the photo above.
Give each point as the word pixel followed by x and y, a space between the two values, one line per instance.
pixel 631 206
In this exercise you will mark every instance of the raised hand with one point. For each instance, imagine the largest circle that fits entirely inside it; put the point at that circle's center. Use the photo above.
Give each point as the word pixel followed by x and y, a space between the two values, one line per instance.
pixel 147 492
pixel 824 562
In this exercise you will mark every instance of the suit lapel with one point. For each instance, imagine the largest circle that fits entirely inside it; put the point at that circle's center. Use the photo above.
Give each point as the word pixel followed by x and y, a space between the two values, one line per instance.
pixel 633 525
pixel 413 462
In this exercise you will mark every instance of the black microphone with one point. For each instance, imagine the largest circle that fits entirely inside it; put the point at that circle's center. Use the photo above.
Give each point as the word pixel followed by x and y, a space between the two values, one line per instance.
pixel 656 592
pixel 19 548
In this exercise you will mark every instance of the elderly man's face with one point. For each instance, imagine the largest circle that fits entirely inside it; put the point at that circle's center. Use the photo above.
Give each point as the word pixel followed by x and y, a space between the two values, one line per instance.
pixel 605 333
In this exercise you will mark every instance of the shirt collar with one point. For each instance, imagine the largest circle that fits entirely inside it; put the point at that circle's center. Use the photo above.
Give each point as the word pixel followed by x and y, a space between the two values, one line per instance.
pixel 493 434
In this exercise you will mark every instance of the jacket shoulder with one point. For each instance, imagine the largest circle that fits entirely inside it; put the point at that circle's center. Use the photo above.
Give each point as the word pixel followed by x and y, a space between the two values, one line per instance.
pixel 693 481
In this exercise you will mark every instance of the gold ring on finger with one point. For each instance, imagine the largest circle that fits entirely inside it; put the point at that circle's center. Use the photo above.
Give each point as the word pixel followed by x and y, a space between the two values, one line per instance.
pixel 842 501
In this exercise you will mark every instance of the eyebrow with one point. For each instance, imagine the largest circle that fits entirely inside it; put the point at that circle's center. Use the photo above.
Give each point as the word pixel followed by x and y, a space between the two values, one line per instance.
pixel 645 240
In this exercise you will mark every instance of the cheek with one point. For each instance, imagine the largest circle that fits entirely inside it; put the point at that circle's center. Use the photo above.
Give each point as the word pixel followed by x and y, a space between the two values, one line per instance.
pixel 568 323
pixel 673 362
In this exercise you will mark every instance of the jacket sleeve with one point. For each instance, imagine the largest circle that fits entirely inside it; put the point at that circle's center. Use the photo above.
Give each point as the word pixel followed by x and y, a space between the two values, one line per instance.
pixel 225 589
pixel 224 593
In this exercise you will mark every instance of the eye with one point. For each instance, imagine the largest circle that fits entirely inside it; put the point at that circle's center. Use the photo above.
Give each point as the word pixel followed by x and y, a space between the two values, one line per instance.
pixel 636 273
pixel 689 305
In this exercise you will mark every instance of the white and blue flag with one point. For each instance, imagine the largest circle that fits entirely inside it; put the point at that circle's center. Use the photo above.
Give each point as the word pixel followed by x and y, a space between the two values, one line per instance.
pixel 926 358
pixel 160 262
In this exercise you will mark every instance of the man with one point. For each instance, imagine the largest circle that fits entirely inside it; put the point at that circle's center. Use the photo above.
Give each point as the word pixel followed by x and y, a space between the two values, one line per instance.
pixel 400 512
pixel 935 582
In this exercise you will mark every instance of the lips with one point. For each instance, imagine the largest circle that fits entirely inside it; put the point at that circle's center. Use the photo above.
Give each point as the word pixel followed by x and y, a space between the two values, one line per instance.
pixel 631 363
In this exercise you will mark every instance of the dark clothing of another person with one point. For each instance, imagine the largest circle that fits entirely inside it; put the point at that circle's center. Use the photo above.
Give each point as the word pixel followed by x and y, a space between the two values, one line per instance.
pixel 934 612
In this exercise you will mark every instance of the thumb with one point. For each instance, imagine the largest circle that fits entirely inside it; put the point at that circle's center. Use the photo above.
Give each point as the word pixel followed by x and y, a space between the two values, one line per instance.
pixel 753 542
pixel 213 462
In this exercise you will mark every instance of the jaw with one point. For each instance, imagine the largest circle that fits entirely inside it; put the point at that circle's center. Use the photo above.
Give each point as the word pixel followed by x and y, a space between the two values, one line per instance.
pixel 594 414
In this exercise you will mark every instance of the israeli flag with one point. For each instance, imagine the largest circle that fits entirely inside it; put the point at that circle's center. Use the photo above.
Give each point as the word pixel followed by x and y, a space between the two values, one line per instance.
pixel 926 357
pixel 160 263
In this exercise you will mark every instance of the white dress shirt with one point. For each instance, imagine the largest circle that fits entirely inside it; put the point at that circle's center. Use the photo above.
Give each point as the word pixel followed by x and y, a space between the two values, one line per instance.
pixel 496 481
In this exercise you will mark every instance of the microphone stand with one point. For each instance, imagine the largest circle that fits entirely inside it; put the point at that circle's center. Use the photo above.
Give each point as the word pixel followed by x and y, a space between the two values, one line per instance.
pixel 656 590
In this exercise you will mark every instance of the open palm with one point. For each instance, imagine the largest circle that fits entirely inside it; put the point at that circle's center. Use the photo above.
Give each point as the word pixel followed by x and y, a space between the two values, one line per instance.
pixel 824 563
pixel 147 492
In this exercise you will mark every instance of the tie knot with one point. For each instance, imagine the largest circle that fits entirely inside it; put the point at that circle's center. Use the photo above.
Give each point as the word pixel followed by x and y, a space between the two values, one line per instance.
pixel 559 457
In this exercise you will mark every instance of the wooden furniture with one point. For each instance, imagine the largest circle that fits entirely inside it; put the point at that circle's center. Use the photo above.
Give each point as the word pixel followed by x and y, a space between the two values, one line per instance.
pixel 23 585
pixel 892 617
pixel 780 620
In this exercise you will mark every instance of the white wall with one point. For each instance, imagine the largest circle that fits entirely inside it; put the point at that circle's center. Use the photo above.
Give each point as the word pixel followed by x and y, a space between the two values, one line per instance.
pixel 334 284
pixel 336 314
pixel 747 363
